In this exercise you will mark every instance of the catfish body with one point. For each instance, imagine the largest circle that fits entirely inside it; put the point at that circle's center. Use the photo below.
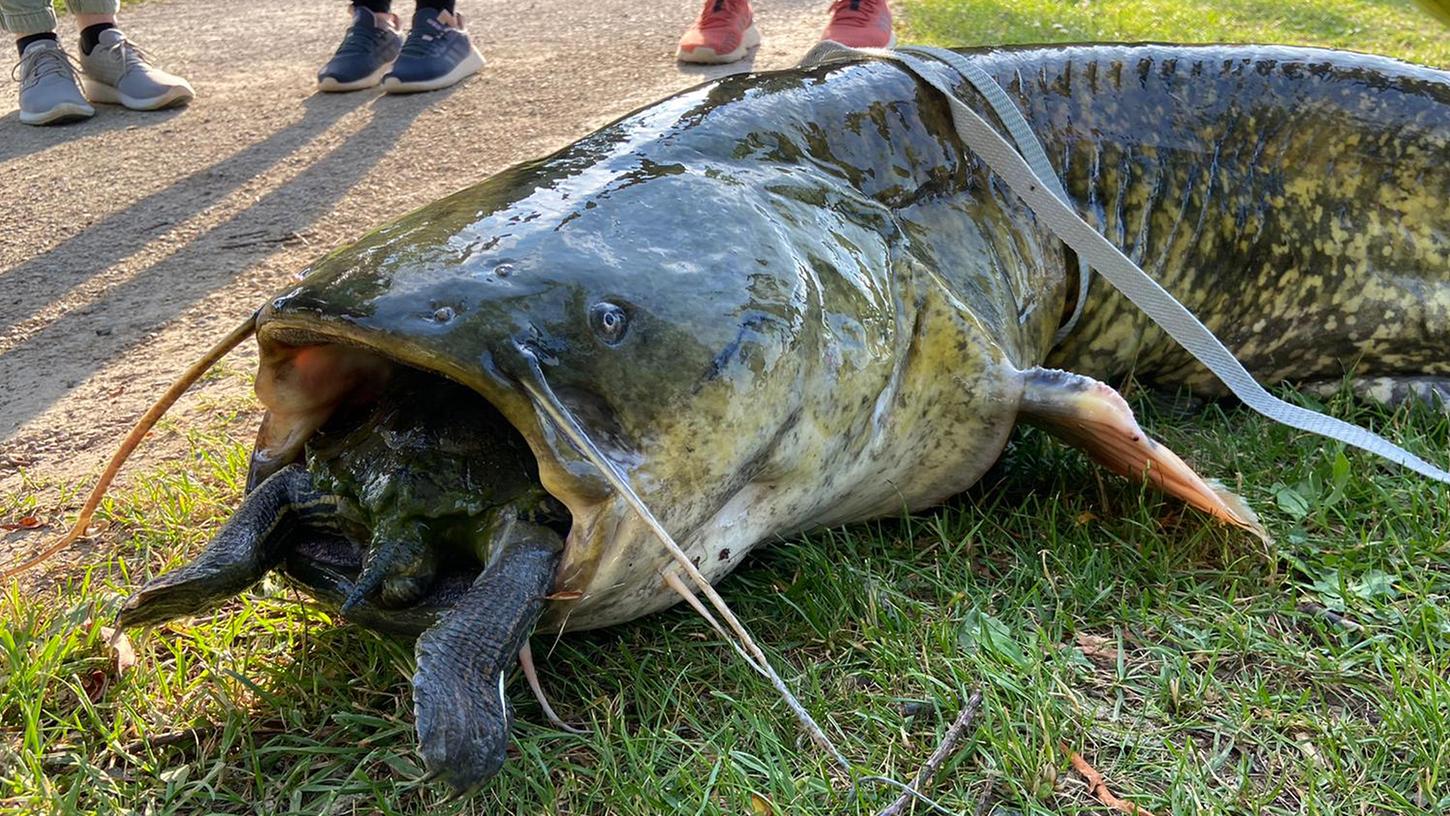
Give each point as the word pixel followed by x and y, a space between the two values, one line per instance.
pixel 788 300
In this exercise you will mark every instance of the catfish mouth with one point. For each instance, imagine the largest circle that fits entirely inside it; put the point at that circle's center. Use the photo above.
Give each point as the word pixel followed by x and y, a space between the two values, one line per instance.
pixel 314 378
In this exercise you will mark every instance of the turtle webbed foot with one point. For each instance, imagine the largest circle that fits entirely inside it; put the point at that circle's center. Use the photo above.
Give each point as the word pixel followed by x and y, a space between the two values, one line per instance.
pixel 463 716
pixel 249 545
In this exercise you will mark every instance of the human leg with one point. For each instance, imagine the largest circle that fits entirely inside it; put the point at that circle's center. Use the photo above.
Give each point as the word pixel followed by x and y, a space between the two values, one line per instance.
pixel 438 52
pixel 724 32
pixel 116 70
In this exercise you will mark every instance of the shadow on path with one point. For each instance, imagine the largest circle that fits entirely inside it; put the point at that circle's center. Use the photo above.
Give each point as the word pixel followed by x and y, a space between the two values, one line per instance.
pixel 173 284
pixel 48 276
pixel 18 139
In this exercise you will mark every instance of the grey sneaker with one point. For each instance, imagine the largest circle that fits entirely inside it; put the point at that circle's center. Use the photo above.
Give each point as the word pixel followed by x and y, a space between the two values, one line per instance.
pixel 49 93
pixel 118 72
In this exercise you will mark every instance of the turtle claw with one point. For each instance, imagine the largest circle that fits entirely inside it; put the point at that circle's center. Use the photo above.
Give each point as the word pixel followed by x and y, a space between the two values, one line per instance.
pixel 462 713
pixel 464 758
pixel 397 572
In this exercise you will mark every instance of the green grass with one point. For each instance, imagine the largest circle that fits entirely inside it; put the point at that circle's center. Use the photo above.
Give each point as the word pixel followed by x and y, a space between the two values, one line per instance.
pixel 1173 653
pixel 1396 28
pixel 1192 665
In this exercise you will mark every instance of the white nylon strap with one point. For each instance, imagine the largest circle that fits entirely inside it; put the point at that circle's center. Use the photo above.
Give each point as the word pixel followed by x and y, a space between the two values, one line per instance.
pixel 1027 144
pixel 1122 273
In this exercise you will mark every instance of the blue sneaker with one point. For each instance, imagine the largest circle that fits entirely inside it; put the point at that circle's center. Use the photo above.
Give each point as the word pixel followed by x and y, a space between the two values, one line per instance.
pixel 367 52
pixel 437 54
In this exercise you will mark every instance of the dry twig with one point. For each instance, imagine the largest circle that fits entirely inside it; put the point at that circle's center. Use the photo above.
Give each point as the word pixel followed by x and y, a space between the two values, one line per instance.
pixel 947 747
pixel 1336 618
pixel 1098 788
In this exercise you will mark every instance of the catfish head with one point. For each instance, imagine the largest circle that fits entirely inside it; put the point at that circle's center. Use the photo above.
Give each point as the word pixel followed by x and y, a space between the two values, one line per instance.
pixel 735 341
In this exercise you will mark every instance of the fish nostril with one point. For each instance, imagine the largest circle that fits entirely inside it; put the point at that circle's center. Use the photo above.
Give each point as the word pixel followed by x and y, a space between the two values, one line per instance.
pixel 530 347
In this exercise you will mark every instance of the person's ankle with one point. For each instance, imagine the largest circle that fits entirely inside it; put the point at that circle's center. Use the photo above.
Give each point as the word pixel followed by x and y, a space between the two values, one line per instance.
pixel 91 36
pixel 387 19
pixel 83 20
pixel 24 42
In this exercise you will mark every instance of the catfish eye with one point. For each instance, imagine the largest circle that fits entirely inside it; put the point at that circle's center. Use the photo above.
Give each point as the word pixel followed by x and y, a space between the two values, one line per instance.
pixel 610 322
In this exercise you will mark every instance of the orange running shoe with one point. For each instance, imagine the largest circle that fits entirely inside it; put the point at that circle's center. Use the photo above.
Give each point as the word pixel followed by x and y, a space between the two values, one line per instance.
pixel 725 31
pixel 860 24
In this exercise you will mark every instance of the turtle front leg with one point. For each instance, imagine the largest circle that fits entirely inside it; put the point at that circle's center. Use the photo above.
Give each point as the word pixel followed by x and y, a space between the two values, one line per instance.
pixel 462 713
pixel 249 545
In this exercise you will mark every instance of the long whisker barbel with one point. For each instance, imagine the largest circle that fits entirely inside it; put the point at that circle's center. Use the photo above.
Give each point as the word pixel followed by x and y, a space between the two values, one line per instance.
pixel 544 398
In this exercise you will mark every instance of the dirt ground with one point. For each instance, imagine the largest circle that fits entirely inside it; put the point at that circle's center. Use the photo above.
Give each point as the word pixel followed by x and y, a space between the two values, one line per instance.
pixel 130 242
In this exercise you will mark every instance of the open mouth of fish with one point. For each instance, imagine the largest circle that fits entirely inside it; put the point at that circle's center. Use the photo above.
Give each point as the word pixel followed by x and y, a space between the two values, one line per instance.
pixel 315 380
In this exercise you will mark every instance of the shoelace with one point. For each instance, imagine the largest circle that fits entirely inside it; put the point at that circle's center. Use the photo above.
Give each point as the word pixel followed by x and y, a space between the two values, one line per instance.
pixel 857 12
pixel 423 43
pixel 720 13
pixel 359 40
pixel 131 54
pixel 46 61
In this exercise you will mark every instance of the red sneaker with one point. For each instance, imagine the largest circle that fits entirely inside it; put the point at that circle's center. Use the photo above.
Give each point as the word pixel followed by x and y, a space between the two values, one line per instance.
pixel 860 24
pixel 725 31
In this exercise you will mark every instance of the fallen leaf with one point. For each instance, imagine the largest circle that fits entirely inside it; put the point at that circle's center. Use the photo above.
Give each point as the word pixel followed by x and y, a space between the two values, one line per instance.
pixel 120 649
pixel 1097 648
pixel 1099 788
pixel 27 523
pixel 760 806
pixel 94 685
pixel 1086 517
pixel 1306 746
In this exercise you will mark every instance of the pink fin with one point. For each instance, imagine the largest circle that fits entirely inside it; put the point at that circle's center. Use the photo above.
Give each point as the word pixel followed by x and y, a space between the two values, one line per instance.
pixel 1093 417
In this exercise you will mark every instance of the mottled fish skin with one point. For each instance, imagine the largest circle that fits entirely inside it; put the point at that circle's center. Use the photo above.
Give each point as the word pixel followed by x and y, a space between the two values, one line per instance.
pixel 1297 200
pixel 830 302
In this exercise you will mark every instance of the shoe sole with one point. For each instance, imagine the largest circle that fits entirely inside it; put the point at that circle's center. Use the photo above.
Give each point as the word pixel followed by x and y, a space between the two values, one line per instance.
pixel 109 95
pixel 64 112
pixel 707 56
pixel 331 85
pixel 469 66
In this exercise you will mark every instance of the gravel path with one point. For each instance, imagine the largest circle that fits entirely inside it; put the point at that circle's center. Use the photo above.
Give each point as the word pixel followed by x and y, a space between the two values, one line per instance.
pixel 133 240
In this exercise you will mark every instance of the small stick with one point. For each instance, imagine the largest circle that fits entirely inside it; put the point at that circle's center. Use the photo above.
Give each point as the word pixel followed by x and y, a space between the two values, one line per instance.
pixel 166 739
pixel 1098 788
pixel 1321 611
pixel 984 802
pixel 947 747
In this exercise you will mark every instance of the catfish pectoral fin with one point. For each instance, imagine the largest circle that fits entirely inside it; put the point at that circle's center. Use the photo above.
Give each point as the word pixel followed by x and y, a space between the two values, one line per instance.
pixel 250 543
pixel 1090 415
pixel 462 713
